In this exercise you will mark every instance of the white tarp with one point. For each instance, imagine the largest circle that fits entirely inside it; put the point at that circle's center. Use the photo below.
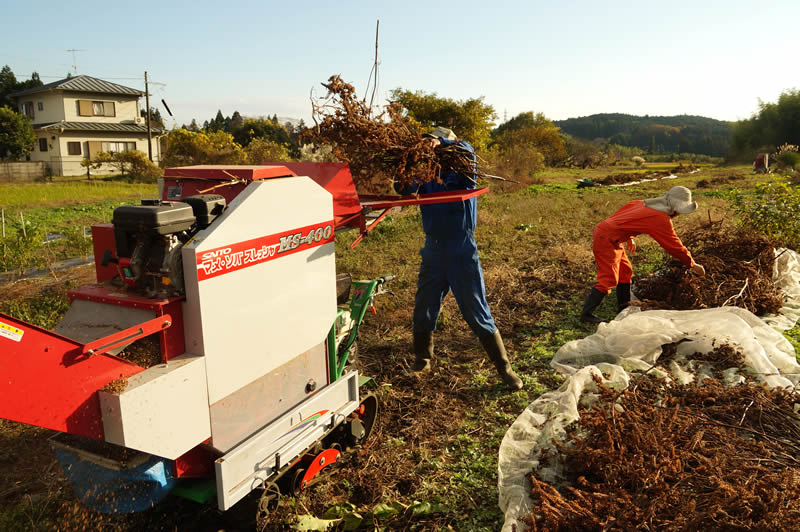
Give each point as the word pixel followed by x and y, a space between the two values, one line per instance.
pixel 633 342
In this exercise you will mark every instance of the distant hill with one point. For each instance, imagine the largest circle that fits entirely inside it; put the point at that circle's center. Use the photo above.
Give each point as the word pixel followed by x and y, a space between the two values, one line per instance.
pixel 667 134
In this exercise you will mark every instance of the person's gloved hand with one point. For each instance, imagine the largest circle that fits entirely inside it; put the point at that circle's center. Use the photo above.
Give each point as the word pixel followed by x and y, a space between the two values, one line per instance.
pixel 631 245
pixel 698 270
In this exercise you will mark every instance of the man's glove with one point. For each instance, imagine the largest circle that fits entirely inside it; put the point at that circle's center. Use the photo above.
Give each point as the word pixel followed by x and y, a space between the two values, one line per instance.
pixel 698 270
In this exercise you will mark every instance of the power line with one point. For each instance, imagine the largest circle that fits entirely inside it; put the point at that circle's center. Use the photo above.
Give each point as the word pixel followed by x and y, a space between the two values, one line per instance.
pixel 103 77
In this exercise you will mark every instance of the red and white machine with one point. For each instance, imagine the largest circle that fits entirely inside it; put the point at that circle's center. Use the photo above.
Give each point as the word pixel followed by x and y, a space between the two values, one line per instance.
pixel 233 271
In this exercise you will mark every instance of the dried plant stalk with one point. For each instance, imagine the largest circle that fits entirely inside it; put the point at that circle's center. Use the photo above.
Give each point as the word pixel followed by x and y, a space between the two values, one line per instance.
pixel 738 267
pixel 661 456
pixel 381 149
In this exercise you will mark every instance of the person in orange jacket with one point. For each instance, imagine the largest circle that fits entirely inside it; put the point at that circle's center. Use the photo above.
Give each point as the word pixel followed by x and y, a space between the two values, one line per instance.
pixel 653 217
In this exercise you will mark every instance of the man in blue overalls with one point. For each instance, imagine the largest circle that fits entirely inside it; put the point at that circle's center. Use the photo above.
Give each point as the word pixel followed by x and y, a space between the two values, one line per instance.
pixel 450 263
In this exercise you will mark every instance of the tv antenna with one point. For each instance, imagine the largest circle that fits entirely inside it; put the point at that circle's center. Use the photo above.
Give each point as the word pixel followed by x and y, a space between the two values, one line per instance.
pixel 74 62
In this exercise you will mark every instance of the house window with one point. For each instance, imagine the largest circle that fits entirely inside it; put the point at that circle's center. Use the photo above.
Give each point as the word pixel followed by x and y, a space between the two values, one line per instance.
pixel 74 148
pixel 42 144
pixel 40 106
pixel 114 147
pixel 96 108
pixel 27 109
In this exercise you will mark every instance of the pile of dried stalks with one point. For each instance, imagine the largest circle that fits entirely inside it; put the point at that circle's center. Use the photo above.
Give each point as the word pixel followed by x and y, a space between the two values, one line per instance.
pixel 381 149
pixel 661 456
pixel 738 265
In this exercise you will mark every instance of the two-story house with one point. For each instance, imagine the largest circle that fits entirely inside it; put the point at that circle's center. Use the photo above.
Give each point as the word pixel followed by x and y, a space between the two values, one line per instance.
pixel 78 117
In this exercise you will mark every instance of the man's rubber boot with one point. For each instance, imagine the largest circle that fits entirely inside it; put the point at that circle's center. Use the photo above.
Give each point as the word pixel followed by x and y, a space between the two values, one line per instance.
pixel 497 353
pixel 423 351
pixel 623 296
pixel 593 301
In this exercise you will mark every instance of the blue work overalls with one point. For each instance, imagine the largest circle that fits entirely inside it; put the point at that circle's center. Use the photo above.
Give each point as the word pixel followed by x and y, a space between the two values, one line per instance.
pixel 450 256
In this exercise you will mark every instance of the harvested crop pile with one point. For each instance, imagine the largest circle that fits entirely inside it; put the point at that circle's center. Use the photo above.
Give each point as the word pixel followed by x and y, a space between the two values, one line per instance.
pixel 722 180
pixel 380 149
pixel 738 265
pixel 680 169
pixel 618 179
pixel 145 352
pixel 661 456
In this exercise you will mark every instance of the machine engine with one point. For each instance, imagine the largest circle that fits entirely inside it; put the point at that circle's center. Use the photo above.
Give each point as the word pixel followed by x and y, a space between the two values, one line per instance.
pixel 149 238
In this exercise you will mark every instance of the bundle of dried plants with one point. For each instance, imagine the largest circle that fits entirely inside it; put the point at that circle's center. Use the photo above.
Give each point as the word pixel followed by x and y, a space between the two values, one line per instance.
pixel 739 266
pixel 381 149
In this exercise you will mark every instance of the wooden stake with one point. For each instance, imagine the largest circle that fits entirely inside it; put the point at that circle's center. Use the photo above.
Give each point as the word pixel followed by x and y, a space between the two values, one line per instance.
pixel 52 256
pixel 3 218
pixel 22 221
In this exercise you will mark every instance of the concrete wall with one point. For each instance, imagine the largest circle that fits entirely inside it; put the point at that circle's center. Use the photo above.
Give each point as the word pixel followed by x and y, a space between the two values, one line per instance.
pixel 22 172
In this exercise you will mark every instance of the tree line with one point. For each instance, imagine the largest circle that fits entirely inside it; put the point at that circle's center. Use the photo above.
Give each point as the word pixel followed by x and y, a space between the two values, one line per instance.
pixel 246 129
pixel 517 148
pixel 654 134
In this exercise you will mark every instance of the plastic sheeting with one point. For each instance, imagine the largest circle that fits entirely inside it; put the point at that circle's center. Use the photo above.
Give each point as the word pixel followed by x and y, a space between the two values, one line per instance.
pixel 633 342
pixel 110 489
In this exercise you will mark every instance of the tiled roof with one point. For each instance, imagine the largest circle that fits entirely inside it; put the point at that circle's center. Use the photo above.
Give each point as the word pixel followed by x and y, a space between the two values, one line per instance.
pixel 99 127
pixel 83 83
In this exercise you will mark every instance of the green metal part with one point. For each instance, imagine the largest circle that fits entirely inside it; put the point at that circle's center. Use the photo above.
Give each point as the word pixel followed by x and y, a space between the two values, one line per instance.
pixel 354 311
pixel 200 490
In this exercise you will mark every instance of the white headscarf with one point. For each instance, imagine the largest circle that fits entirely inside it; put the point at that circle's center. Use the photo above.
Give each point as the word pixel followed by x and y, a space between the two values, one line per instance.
pixel 678 200
pixel 442 132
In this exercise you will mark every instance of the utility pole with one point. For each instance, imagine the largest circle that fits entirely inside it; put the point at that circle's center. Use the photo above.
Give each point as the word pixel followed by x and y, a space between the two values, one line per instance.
pixel 147 102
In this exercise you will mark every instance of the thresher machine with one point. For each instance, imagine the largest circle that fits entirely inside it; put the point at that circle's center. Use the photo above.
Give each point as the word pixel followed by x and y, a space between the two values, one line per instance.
pixel 230 275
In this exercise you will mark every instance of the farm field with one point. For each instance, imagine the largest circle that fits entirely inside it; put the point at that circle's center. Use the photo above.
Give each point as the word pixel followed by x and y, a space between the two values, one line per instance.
pixel 437 434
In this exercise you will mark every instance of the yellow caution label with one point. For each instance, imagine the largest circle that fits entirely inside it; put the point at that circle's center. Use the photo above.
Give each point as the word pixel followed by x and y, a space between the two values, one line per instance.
pixel 10 332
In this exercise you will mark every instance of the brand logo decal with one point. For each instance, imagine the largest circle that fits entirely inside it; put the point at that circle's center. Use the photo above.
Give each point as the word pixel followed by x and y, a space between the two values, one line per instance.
pixel 232 257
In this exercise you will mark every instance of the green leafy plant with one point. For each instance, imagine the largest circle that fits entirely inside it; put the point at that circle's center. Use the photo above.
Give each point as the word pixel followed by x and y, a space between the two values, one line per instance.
pixel 346 516
pixel 16 135
pixel 21 247
pixel 132 163
pixel 77 242
pixel 773 209
pixel 789 160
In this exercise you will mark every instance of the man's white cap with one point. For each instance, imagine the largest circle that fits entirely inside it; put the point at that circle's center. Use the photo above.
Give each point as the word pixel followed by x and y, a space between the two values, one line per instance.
pixel 441 132
pixel 676 200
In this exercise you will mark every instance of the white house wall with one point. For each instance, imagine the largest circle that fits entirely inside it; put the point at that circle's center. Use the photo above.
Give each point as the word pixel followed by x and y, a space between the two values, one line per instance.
pixel 52 108
pixel 53 154
pixel 62 164
pixel 72 163
pixel 126 108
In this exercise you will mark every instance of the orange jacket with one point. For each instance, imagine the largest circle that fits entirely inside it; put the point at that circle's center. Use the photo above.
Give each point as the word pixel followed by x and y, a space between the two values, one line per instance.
pixel 634 218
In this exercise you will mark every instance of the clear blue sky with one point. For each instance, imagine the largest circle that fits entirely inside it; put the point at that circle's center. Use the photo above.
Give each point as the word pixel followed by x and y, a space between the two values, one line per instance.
pixel 564 59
